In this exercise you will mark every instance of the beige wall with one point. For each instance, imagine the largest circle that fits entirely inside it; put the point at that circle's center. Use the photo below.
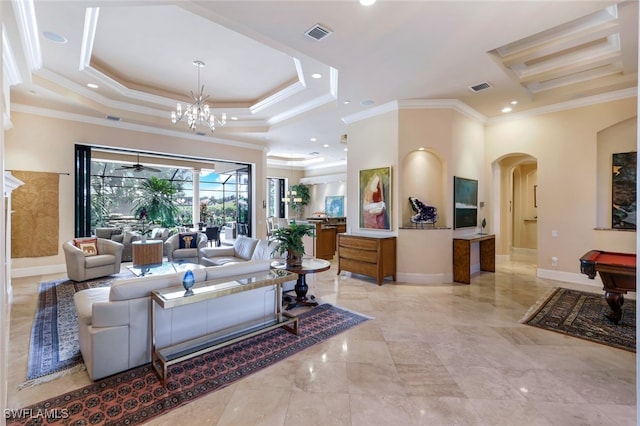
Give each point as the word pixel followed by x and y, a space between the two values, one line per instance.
pixel 40 143
pixel 621 137
pixel 557 151
pixel 454 144
pixel 372 143
pixel 565 145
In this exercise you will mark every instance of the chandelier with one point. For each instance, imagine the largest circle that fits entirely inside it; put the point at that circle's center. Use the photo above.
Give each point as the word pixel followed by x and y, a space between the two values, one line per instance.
pixel 291 196
pixel 198 113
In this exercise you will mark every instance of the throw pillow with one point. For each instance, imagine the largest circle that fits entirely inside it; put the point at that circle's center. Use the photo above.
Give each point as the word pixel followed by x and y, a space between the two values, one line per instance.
pixel 189 240
pixel 89 246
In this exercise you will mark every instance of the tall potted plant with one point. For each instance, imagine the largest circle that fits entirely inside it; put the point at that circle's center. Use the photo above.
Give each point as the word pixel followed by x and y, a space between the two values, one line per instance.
pixel 157 200
pixel 289 240
pixel 303 196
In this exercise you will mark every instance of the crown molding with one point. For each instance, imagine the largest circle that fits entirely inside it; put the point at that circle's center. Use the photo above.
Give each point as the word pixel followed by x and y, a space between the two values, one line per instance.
pixel 25 15
pixel 10 71
pixel 371 112
pixel 563 106
pixel 88 36
pixel 61 115
pixel 452 104
pixel 313 180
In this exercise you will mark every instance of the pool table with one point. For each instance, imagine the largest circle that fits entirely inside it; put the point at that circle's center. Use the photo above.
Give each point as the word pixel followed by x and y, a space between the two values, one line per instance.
pixel 618 274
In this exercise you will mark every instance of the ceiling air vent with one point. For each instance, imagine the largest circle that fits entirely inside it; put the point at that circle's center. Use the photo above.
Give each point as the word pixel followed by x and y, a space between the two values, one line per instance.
pixel 318 32
pixel 480 87
pixel 112 118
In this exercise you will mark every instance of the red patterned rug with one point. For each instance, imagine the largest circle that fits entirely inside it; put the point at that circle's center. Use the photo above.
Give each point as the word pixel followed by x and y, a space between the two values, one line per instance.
pixel 136 396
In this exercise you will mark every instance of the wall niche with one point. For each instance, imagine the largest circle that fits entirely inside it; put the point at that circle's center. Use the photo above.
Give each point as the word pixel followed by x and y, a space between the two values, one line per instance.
pixel 422 176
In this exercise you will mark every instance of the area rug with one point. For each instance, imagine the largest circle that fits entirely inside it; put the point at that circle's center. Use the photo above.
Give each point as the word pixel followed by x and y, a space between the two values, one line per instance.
pixel 136 396
pixel 581 314
pixel 53 348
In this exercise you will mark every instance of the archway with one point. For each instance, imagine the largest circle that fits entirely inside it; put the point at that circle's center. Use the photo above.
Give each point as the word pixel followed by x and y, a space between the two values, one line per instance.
pixel 515 206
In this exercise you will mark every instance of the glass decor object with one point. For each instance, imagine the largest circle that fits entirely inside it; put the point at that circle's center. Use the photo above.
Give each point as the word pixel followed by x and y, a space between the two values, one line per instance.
pixel 187 282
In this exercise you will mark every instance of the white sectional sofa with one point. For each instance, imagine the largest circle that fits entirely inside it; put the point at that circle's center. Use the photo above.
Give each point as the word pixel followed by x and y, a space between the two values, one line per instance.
pixel 115 322
pixel 243 250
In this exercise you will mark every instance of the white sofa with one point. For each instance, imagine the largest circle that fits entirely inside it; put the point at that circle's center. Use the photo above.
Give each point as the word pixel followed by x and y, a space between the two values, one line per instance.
pixel 114 323
pixel 243 250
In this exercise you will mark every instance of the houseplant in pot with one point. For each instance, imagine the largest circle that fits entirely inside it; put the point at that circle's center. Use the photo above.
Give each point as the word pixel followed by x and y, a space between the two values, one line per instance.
pixel 289 240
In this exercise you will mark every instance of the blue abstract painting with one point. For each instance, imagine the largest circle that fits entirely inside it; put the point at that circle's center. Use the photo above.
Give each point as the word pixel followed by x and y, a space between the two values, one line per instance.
pixel 334 205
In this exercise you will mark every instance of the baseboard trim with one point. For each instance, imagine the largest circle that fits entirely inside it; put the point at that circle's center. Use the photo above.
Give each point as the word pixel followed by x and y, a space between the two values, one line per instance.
pixel 413 278
pixel 569 277
pixel 37 270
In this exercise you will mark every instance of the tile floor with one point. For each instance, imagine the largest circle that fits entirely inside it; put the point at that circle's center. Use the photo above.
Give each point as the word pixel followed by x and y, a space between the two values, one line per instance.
pixel 433 355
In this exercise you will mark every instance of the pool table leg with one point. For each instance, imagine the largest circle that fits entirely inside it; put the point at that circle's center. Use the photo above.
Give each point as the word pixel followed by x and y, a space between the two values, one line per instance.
pixel 615 301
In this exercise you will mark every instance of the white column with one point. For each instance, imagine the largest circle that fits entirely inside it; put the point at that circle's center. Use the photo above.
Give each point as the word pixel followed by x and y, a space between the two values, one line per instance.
pixel 196 196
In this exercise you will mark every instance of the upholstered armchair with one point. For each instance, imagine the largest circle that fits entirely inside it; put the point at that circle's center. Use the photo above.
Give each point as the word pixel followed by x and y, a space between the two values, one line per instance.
pixel 185 247
pixel 82 267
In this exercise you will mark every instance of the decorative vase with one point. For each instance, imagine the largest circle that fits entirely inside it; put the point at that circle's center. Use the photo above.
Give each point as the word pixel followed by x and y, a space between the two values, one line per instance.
pixel 294 259
pixel 187 282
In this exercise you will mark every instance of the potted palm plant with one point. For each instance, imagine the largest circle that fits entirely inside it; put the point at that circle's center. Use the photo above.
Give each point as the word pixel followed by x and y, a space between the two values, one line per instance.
pixel 289 240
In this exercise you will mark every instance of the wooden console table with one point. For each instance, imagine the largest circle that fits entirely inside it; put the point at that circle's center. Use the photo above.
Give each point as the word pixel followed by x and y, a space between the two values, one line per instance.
pixel 372 256
pixel 462 255
pixel 171 297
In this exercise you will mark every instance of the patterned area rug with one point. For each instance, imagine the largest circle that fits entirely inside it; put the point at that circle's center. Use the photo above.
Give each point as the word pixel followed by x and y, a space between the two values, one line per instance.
pixel 136 396
pixel 581 314
pixel 54 349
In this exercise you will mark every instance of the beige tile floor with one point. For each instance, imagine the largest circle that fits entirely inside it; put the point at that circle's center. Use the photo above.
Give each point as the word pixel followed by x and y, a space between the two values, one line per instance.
pixel 448 354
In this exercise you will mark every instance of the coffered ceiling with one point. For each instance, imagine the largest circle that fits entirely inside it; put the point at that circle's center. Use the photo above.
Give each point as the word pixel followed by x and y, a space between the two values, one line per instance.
pixel 260 62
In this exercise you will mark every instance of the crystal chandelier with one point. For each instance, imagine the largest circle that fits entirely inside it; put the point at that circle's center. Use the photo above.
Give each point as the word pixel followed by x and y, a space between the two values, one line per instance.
pixel 198 113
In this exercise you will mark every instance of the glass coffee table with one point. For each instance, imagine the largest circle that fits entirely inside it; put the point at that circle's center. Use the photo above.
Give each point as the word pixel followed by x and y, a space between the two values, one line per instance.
pixel 163 268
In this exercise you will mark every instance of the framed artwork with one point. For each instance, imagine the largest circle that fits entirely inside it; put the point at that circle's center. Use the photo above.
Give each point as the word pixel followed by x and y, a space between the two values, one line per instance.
pixel 375 198
pixel 334 205
pixel 465 202
pixel 623 190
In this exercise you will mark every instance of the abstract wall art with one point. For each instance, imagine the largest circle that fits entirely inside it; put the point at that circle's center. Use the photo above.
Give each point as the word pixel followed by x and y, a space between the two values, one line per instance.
pixel 375 198
pixel 465 198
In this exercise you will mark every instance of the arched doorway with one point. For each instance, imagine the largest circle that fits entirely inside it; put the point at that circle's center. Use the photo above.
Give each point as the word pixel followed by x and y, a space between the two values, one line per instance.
pixel 516 207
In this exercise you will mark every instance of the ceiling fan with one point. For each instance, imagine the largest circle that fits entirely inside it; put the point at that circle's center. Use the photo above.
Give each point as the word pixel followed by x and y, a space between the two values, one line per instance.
pixel 139 167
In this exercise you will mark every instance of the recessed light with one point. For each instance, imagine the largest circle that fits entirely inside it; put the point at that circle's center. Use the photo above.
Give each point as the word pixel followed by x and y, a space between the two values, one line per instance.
pixel 313 139
pixel 234 118
pixel 367 2
pixel 326 145
pixel 420 149
pixel 514 102
pixel 316 75
pixel 346 149
pixel 54 37
pixel 92 85
pixel 506 109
